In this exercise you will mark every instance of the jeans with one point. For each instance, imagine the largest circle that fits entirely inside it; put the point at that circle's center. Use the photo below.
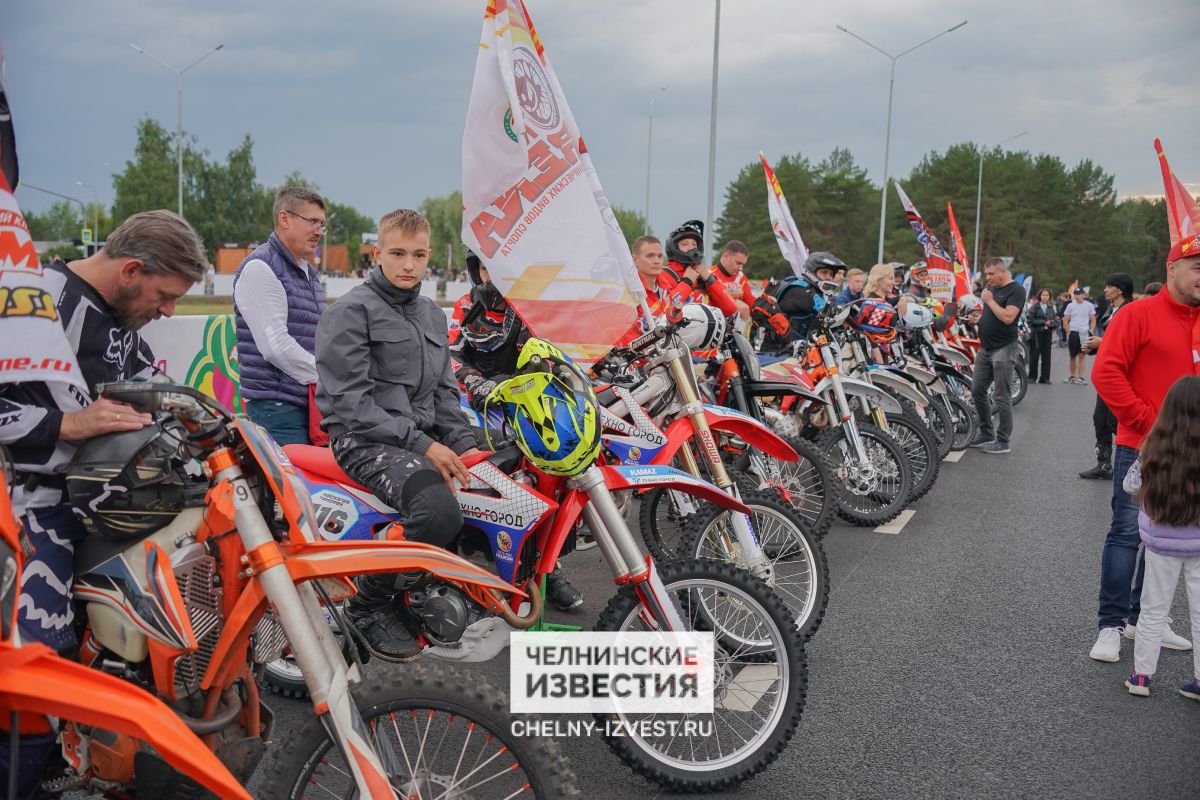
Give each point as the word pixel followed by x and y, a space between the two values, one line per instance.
pixel 287 423
pixel 995 366
pixel 1162 575
pixel 1120 570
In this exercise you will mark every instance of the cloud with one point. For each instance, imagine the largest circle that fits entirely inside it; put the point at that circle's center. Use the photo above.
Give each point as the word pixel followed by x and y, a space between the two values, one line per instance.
pixel 368 98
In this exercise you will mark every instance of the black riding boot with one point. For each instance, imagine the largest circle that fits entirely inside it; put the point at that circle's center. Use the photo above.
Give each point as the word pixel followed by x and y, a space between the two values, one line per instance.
pixel 1103 470
pixel 377 614
pixel 560 592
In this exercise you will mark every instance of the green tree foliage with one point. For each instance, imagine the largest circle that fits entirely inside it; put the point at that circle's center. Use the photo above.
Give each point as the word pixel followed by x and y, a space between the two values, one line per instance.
pixel 223 200
pixel 59 222
pixel 1060 223
pixel 445 230
pixel 633 223
pixel 747 219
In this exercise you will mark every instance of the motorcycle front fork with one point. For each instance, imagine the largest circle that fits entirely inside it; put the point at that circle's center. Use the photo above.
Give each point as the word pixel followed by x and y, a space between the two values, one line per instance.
pixel 326 674
pixel 743 528
pixel 616 544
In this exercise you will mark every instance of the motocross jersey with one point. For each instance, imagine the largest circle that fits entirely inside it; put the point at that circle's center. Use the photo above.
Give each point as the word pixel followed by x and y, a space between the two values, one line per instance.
pixel 682 289
pixel 659 301
pixel 737 287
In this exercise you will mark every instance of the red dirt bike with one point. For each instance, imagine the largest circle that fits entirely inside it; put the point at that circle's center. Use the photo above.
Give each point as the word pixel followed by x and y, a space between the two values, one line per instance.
pixel 522 519
pixel 653 413
pixel 35 681
pixel 193 610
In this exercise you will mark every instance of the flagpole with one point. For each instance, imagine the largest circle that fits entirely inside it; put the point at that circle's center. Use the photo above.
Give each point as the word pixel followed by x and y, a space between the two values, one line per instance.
pixel 979 195
pixel 712 135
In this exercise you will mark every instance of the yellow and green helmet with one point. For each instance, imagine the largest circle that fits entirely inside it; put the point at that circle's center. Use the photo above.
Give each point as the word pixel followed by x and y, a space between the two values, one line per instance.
pixel 551 410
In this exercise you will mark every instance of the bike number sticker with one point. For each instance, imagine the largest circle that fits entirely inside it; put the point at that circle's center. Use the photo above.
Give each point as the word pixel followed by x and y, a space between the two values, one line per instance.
pixel 336 513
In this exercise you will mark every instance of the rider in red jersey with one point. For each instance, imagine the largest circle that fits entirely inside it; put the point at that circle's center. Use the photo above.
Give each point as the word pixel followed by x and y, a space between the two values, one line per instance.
pixel 685 277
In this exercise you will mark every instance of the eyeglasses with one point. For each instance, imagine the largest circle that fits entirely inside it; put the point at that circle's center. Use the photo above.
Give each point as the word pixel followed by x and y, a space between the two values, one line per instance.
pixel 314 222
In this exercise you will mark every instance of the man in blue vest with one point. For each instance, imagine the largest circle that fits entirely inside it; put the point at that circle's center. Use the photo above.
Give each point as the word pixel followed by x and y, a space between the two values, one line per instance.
pixel 278 300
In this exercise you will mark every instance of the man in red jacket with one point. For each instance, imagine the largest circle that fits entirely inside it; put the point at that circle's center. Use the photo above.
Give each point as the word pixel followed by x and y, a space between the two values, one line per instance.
pixel 685 277
pixel 1146 348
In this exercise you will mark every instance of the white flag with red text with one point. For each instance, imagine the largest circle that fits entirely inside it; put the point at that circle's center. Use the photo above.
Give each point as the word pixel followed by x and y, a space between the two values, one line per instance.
pixel 33 345
pixel 787 235
pixel 533 207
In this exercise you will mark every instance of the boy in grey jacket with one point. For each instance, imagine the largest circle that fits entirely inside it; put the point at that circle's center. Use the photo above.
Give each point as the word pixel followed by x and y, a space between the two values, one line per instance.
pixel 391 408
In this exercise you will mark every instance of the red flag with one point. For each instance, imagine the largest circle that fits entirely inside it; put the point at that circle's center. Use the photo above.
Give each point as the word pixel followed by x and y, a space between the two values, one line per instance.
pixel 962 267
pixel 1183 218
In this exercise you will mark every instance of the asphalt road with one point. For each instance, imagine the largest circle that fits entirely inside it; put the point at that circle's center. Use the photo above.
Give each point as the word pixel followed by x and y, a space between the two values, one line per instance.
pixel 953 662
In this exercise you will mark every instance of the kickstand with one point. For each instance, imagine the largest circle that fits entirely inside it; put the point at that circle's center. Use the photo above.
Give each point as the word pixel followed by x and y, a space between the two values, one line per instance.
pixel 542 625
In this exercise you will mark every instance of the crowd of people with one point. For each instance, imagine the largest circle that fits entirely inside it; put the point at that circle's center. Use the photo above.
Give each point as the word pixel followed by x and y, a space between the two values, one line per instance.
pixel 378 374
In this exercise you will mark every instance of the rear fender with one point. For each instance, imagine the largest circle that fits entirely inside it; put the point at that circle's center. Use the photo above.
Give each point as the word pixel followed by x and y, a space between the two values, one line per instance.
pixel 34 680
pixel 780 389
pixel 726 420
pixel 660 475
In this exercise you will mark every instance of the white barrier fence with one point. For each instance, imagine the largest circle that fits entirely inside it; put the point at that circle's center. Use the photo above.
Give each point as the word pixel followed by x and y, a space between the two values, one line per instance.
pixel 335 287
pixel 201 351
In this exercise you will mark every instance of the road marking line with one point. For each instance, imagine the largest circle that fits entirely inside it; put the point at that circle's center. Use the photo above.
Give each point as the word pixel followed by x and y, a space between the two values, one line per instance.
pixel 897 525
pixel 954 456
pixel 747 687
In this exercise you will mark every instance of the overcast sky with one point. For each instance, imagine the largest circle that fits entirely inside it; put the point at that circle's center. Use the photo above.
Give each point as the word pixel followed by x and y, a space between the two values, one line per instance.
pixel 368 97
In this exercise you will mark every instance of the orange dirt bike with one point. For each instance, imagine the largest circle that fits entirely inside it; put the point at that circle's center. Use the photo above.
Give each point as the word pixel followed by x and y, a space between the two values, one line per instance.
pixel 194 609
pixel 36 683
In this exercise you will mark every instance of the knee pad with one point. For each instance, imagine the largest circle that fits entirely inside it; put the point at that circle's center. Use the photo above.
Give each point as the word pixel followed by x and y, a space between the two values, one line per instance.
pixel 431 512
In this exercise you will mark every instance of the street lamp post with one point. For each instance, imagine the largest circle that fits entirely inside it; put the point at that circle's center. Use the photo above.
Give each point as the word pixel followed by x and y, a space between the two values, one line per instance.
pixel 712 134
pixel 179 119
pixel 887 142
pixel 979 195
pixel 649 151
pixel 76 200
pixel 95 210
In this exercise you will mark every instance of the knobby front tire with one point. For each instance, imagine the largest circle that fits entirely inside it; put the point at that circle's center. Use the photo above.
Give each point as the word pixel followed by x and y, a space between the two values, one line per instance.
pixel 762 679
pixel 461 720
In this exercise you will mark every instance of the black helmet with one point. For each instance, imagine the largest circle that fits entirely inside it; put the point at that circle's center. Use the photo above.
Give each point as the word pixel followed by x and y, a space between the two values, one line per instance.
pixel 482 291
pixel 692 229
pixel 822 260
pixel 129 484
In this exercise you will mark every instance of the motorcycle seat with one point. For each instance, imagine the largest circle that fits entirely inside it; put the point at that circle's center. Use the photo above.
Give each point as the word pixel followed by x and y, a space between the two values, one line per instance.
pixel 506 459
pixel 318 462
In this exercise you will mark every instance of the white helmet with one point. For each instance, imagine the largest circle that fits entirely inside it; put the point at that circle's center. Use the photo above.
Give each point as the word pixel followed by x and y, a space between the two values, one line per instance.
pixel 703 327
pixel 915 317
pixel 969 305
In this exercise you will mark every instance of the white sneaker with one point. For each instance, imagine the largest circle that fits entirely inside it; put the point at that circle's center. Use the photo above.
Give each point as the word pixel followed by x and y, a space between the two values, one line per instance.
pixel 1107 646
pixel 1170 640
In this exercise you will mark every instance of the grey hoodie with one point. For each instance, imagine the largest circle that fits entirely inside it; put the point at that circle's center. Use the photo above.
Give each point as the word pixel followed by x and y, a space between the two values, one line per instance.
pixel 383 369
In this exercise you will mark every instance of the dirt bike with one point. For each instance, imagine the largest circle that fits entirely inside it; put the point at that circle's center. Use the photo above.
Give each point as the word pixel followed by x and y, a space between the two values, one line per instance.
pixel 946 370
pixel 809 485
pixel 193 610
pixel 35 681
pixel 773 541
pixel 521 518
pixel 877 480
pixel 908 427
